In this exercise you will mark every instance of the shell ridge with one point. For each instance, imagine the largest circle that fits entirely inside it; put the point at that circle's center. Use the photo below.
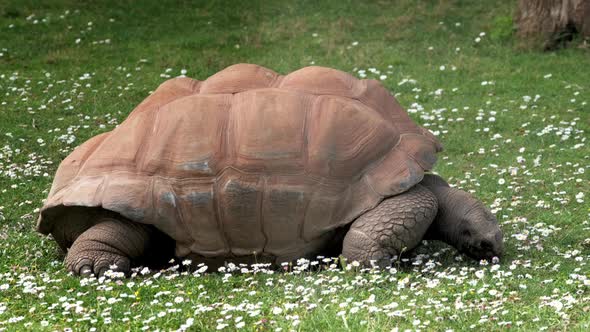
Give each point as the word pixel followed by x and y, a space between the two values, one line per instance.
pixel 305 133
pixel 196 87
pixel 150 193
pixel 178 210
pixel 261 202
pixel 276 82
pixel 303 223
pixel 358 89
pixel 219 217
pixel 146 138
pixel 102 188
pixel 223 151
pixel 366 181
pixel 229 136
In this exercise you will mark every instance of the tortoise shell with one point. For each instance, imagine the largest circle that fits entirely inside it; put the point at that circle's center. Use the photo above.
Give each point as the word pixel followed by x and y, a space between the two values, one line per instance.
pixel 248 161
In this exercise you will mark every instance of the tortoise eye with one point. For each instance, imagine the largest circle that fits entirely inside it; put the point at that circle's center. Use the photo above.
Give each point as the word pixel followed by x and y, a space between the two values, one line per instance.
pixel 465 233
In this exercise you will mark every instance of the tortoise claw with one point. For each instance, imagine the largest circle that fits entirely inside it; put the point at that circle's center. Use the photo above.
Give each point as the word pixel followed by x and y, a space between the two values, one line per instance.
pixel 85 261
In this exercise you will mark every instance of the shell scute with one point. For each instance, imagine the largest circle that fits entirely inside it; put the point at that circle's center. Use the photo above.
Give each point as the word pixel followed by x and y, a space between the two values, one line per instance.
pixel 285 202
pixel 345 137
pixel 187 137
pixel 323 81
pixel 238 78
pixel 268 126
pixel 240 197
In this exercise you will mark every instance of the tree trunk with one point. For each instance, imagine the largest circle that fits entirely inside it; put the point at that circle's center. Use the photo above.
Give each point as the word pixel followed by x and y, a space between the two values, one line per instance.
pixel 553 22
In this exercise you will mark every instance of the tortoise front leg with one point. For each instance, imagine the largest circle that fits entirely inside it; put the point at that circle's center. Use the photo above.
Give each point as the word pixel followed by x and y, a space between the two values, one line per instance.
pixel 394 226
pixel 115 244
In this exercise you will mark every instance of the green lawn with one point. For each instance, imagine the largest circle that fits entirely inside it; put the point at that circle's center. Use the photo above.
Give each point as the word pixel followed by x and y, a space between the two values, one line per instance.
pixel 514 124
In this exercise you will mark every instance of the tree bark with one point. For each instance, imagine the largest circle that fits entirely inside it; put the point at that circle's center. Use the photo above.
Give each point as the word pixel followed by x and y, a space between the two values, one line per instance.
pixel 553 22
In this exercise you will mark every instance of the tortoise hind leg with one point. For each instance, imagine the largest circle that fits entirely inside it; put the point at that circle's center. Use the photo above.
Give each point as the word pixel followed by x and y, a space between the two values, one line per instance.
pixel 115 244
pixel 394 226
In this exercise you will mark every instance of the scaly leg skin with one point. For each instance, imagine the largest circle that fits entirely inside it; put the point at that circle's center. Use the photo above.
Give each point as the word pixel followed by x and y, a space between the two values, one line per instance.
pixel 113 242
pixel 394 226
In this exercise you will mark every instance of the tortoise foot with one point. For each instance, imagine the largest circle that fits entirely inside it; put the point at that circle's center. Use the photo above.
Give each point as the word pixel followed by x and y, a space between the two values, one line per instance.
pixel 111 244
pixel 91 258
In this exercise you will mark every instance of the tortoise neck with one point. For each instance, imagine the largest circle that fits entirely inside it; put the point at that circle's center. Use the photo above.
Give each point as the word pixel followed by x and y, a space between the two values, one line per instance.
pixel 453 205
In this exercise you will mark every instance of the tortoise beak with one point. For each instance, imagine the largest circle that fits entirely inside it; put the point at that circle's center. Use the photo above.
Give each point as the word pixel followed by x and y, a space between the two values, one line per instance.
pixel 487 247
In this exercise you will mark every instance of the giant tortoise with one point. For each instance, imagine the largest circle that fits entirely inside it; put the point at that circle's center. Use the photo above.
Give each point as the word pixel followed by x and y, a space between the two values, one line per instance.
pixel 250 165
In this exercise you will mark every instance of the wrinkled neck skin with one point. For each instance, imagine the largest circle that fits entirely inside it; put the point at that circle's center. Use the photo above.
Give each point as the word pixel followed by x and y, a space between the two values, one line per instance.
pixel 450 204
pixel 463 222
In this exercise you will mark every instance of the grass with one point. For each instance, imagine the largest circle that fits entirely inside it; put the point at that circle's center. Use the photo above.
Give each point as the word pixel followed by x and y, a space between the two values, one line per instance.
pixel 514 123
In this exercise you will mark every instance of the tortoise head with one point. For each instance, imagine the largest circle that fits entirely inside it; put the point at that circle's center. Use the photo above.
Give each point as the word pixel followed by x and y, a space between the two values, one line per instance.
pixel 465 223
pixel 474 230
